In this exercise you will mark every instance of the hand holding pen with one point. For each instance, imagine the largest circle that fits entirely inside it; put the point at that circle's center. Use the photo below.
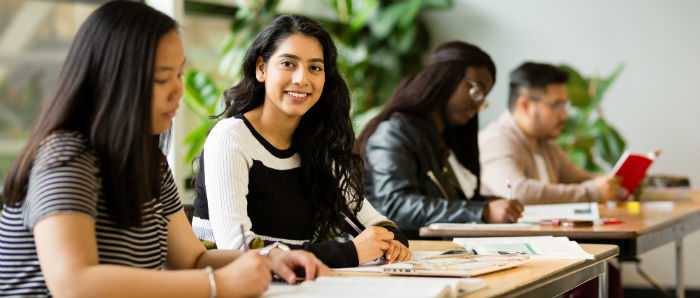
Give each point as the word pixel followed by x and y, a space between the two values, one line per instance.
pixel 374 242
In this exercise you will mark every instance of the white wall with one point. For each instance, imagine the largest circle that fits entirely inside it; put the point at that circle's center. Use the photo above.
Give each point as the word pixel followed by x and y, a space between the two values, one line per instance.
pixel 655 102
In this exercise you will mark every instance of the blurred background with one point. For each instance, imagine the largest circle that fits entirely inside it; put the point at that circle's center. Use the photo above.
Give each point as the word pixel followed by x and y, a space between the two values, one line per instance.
pixel 638 62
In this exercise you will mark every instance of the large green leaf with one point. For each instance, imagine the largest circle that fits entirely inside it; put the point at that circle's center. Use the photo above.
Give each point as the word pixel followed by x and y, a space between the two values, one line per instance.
pixel 608 142
pixel 403 40
pixel 604 84
pixel 410 9
pixel 195 140
pixel 578 156
pixel 386 19
pixel 577 87
pixel 589 143
pixel 361 15
pixel 202 88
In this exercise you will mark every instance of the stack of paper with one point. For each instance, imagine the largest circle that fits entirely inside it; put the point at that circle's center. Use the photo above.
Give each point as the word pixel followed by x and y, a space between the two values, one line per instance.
pixel 580 211
pixel 540 247
pixel 461 265
pixel 474 225
pixel 380 287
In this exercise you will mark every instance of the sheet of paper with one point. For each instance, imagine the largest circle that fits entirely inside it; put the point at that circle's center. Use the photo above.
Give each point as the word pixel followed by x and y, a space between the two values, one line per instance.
pixel 537 247
pixel 473 225
pixel 383 287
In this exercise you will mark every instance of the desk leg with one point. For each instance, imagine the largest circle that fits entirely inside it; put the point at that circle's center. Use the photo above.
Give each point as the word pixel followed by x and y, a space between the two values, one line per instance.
pixel 680 287
pixel 603 282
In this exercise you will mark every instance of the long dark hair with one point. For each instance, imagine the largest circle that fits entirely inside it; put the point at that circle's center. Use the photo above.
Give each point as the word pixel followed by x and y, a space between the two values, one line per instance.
pixel 430 89
pixel 104 91
pixel 324 137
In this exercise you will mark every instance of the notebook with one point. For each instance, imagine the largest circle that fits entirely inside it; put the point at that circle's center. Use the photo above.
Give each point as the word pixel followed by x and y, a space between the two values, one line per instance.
pixel 535 247
pixel 380 287
pixel 465 265
pixel 631 167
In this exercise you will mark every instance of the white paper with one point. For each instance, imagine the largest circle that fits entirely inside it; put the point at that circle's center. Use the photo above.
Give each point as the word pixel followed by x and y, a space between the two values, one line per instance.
pixel 538 247
pixel 473 225
pixel 381 287
pixel 579 211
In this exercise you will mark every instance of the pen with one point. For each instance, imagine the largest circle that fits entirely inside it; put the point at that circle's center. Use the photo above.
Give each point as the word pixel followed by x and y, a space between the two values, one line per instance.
pixel 347 219
pixel 612 221
pixel 354 226
pixel 509 193
pixel 245 245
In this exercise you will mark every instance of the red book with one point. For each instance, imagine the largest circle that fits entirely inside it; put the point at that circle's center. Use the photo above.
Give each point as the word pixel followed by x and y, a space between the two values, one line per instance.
pixel 631 167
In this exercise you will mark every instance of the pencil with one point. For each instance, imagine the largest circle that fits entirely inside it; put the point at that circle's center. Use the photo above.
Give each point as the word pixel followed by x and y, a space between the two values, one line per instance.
pixel 245 245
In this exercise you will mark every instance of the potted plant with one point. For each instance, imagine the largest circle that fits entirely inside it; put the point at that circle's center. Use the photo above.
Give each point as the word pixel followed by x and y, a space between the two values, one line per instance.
pixel 590 141
pixel 379 42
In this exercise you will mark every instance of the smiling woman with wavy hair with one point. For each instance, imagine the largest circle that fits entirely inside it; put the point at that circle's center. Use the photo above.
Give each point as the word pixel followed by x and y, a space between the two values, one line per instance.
pixel 280 164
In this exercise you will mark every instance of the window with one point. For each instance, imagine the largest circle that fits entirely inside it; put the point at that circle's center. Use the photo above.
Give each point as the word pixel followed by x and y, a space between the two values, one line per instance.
pixel 34 40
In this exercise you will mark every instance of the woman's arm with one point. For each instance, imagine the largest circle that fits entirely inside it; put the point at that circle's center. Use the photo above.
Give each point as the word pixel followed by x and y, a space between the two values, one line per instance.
pixel 67 252
pixel 226 170
pixel 185 251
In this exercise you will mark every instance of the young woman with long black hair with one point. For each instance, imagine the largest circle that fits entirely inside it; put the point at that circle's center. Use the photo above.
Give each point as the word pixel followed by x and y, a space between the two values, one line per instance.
pixel 91 209
pixel 280 164
pixel 421 152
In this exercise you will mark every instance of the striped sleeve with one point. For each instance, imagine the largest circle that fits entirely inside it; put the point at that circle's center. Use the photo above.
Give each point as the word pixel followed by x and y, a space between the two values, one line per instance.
pixel 168 193
pixel 63 179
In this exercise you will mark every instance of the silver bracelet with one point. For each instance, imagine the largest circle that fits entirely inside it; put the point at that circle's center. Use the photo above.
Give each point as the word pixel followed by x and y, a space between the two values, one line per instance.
pixel 212 282
pixel 266 250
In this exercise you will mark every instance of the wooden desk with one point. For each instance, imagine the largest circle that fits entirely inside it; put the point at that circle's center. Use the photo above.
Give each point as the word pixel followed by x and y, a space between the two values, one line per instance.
pixel 539 278
pixel 651 225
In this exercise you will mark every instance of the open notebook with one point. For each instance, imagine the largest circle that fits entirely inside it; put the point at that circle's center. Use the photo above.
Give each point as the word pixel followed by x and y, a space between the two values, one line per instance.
pixel 377 286
pixel 535 247
pixel 465 265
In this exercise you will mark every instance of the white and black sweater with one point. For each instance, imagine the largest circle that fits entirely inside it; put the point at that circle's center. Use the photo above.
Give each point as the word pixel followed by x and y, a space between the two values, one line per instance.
pixel 245 180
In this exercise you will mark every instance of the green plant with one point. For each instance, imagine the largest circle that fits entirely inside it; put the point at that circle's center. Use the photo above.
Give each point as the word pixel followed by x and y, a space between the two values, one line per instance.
pixel 380 42
pixel 202 93
pixel 587 137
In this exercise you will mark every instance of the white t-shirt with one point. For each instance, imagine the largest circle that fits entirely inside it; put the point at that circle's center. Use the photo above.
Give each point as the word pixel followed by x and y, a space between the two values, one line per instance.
pixel 466 179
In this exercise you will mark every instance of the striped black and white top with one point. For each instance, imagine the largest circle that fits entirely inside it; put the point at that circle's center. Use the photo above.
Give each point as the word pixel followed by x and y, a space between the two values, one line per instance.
pixel 65 178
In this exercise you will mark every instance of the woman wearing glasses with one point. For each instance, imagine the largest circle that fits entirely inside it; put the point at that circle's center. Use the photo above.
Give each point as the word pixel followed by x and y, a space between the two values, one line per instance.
pixel 421 152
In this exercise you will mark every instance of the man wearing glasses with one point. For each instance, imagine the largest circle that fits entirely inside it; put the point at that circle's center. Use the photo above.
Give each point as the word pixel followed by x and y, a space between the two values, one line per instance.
pixel 520 146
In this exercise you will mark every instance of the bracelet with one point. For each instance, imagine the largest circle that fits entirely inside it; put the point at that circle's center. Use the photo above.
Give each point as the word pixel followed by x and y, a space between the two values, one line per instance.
pixel 266 250
pixel 212 282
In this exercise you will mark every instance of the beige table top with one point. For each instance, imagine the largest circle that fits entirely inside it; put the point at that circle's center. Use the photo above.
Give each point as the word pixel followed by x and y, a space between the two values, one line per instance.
pixel 647 218
pixel 645 226
pixel 539 277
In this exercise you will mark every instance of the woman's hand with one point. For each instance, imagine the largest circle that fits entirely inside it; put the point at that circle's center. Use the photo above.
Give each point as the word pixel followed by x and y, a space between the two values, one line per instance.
pixel 501 210
pixel 372 243
pixel 284 263
pixel 247 276
pixel 397 253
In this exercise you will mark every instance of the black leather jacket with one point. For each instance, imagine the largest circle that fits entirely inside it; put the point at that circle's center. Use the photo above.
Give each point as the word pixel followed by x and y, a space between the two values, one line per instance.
pixel 404 177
